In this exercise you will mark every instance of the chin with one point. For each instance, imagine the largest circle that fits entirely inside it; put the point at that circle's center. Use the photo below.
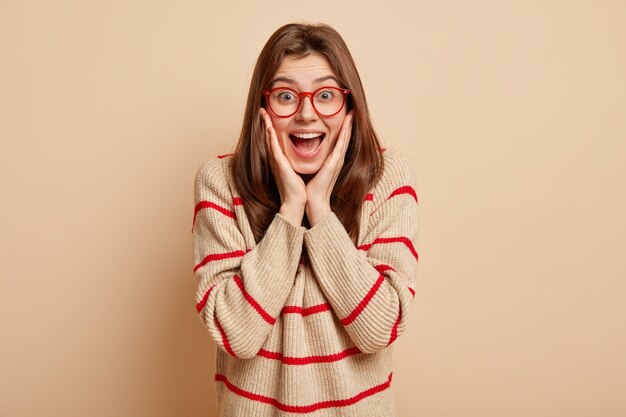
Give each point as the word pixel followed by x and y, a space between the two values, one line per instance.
pixel 306 168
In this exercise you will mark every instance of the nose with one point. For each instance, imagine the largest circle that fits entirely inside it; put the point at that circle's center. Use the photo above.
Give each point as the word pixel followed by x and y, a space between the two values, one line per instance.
pixel 306 113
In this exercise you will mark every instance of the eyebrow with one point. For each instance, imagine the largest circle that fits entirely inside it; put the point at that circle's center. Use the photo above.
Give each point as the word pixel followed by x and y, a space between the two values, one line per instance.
pixel 289 80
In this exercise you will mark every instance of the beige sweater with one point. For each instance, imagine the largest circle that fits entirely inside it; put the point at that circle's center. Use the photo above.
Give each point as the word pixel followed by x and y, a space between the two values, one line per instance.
pixel 305 338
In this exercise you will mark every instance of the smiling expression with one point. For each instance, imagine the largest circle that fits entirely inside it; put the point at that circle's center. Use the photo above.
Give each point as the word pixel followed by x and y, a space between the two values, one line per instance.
pixel 299 134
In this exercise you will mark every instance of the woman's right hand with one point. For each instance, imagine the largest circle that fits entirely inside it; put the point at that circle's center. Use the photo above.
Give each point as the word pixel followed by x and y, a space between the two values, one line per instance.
pixel 291 186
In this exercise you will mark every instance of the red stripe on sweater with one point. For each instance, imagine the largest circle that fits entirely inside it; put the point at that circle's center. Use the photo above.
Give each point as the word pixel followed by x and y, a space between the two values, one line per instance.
pixel 225 155
pixel 305 360
pixel 306 311
pixel 303 409
pixel 237 201
pixel 218 257
pixel 369 197
pixel 382 268
pixel 207 204
pixel 394 330
pixel 355 313
pixel 402 239
pixel 253 302
pixel 225 339
pixel 407 189
pixel 202 302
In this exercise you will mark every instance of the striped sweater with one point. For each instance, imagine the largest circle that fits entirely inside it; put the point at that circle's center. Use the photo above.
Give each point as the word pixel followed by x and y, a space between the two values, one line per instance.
pixel 300 337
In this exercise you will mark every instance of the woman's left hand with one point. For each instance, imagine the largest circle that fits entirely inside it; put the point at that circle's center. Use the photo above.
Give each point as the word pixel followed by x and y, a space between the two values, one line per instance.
pixel 320 187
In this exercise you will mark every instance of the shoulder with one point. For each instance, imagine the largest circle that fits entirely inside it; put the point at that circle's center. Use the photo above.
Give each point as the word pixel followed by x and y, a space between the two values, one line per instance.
pixel 398 171
pixel 212 178
pixel 396 163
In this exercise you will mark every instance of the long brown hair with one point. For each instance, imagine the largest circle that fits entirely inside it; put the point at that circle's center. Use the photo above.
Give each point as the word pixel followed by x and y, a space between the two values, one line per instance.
pixel 250 166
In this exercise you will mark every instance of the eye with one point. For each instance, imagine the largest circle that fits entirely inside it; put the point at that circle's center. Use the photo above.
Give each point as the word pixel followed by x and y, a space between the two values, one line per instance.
pixel 326 95
pixel 285 96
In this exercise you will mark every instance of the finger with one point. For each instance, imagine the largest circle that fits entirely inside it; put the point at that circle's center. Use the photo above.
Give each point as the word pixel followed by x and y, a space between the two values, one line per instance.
pixel 341 146
pixel 267 123
pixel 267 134
pixel 263 113
pixel 347 130
pixel 279 156
pixel 347 121
pixel 276 154
pixel 346 127
pixel 265 118
pixel 274 141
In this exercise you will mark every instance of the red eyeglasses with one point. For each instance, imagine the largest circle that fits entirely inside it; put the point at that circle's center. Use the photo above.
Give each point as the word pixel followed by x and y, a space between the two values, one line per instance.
pixel 327 101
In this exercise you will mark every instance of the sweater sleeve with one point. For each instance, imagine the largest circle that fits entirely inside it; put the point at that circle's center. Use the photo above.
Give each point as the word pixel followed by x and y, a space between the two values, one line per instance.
pixel 240 292
pixel 370 287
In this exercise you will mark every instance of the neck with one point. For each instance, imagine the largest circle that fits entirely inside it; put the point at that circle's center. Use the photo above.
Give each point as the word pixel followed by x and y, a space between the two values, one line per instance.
pixel 307 177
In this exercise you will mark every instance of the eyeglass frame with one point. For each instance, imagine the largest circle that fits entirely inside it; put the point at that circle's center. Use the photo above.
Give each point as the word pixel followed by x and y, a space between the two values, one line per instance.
pixel 303 94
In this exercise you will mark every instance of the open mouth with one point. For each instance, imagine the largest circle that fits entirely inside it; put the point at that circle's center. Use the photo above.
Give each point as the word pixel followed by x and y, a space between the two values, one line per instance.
pixel 307 143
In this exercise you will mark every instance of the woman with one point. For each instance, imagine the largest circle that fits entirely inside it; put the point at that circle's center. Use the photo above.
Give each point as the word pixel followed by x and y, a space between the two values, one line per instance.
pixel 304 241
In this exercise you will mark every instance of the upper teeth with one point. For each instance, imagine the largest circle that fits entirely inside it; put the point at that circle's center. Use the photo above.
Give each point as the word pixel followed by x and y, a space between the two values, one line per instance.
pixel 307 135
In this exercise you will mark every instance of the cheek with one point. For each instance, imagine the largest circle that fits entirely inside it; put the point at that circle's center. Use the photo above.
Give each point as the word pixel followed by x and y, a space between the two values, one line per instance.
pixel 280 127
pixel 335 128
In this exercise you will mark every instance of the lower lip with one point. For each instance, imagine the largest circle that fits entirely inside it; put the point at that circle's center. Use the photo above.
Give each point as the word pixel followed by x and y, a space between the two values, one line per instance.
pixel 307 155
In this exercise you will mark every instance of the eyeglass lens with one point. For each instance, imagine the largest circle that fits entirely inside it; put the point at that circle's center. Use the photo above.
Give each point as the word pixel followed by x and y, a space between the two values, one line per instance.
pixel 326 100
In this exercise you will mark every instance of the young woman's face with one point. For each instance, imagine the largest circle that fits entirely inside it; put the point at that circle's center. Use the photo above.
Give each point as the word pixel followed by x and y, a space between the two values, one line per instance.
pixel 306 155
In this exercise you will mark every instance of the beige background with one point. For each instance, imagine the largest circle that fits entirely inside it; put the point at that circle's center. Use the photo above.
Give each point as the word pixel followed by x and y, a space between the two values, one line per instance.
pixel 513 112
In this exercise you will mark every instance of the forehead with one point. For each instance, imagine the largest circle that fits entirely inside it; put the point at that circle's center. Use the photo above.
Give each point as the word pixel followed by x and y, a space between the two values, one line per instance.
pixel 306 69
